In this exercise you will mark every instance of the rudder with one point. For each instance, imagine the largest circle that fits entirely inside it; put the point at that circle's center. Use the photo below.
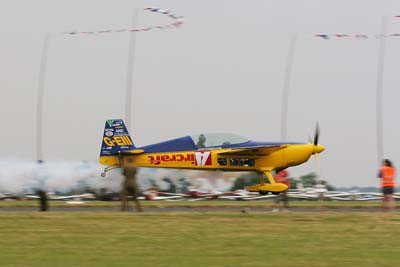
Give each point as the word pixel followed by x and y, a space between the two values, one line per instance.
pixel 116 138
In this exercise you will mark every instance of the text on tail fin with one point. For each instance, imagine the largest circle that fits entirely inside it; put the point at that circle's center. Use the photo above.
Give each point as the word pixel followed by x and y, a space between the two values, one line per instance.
pixel 115 138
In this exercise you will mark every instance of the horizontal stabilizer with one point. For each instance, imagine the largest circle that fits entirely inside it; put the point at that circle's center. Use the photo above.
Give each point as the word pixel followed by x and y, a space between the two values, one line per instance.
pixel 133 152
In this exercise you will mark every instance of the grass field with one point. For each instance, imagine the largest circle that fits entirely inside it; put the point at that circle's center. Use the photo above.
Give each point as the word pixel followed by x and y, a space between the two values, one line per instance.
pixel 203 203
pixel 199 239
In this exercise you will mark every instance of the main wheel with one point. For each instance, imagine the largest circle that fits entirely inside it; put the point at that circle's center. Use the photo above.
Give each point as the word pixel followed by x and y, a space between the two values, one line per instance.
pixel 263 193
pixel 276 193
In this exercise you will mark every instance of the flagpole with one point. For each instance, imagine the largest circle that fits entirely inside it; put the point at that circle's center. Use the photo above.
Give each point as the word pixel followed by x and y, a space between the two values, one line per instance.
pixel 379 91
pixel 286 86
pixel 130 69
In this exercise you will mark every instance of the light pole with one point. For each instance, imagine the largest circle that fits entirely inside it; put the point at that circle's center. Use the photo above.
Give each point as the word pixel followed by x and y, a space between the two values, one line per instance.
pixel 39 117
pixel 379 90
pixel 286 87
pixel 40 96
pixel 130 69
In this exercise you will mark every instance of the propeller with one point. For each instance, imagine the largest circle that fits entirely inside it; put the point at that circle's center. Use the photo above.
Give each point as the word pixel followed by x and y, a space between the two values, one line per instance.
pixel 317 148
pixel 316 136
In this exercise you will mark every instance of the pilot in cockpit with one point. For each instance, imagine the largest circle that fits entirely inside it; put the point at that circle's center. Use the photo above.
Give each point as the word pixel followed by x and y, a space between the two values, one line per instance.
pixel 201 142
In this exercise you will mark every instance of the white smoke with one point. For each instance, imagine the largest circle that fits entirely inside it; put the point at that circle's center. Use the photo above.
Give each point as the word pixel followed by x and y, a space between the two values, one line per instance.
pixel 201 180
pixel 18 177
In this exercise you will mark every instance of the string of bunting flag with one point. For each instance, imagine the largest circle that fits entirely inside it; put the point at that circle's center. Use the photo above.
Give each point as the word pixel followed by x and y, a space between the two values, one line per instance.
pixel 177 21
pixel 358 36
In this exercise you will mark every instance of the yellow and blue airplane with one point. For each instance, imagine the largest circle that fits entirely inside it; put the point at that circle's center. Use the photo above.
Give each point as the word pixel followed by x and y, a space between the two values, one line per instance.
pixel 226 152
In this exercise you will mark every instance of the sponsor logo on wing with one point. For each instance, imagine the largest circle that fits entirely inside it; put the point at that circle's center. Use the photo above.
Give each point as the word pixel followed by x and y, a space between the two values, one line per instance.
pixel 203 158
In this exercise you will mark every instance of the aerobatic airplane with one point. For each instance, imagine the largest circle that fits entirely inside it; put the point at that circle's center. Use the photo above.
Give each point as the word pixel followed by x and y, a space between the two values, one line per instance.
pixel 226 152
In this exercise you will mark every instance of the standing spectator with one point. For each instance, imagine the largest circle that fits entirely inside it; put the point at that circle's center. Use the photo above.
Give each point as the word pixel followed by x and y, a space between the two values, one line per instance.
pixel 387 174
pixel 130 187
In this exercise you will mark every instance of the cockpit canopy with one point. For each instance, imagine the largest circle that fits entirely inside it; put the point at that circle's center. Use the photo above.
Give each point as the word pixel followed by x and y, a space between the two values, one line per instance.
pixel 196 141
pixel 217 139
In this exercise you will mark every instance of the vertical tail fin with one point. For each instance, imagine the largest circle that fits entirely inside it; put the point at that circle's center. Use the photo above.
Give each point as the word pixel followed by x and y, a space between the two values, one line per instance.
pixel 115 138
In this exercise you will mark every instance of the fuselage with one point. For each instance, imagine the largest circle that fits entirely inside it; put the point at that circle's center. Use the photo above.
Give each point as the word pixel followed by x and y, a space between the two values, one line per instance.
pixel 226 152
pixel 226 159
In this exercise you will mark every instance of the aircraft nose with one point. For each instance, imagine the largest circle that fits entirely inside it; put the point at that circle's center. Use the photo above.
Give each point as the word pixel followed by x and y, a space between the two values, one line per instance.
pixel 318 149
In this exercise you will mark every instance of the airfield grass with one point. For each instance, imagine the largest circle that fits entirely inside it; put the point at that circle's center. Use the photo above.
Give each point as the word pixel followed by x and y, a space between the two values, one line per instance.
pixel 199 239
pixel 197 204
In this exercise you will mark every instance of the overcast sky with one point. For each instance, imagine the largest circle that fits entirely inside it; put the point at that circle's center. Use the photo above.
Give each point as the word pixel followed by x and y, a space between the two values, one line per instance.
pixel 222 71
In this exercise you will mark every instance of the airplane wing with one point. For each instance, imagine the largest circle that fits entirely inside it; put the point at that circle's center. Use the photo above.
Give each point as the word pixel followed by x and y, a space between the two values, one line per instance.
pixel 31 197
pixel 55 197
pixel 8 196
pixel 161 198
pixel 254 150
pixel 171 194
pixel 85 196
pixel 301 196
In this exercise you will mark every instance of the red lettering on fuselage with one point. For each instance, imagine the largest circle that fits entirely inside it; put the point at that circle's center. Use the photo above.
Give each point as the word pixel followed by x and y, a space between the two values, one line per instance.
pixel 157 160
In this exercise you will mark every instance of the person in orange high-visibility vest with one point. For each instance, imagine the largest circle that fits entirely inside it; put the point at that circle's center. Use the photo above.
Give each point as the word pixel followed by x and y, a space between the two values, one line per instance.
pixel 282 177
pixel 387 175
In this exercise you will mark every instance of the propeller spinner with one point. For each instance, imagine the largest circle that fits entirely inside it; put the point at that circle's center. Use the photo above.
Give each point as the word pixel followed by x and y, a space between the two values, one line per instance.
pixel 317 147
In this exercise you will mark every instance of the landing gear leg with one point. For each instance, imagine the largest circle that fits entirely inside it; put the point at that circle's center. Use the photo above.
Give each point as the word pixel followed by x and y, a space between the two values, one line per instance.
pixel 264 188
pixel 262 183
pixel 270 177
